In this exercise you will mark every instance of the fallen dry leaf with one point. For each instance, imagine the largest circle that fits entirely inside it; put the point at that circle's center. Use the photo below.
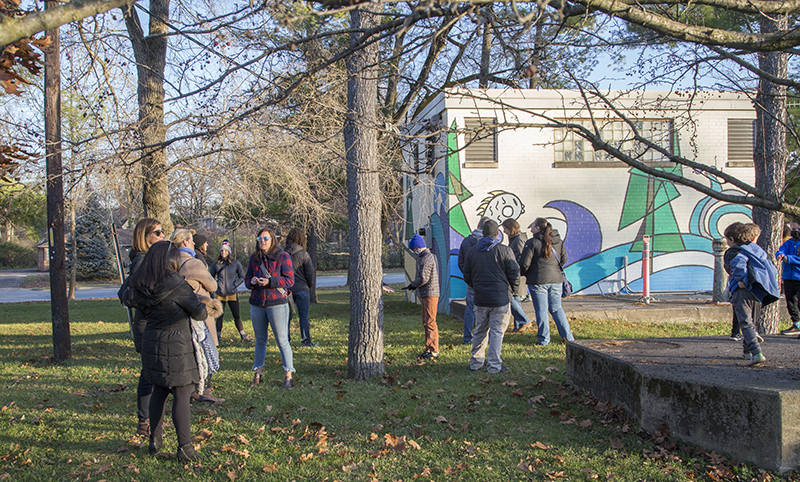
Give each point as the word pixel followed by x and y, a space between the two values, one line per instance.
pixel 616 444
pixel 540 445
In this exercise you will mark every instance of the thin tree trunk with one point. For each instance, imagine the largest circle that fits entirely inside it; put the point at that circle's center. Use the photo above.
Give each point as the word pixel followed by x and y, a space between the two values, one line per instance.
pixel 59 307
pixel 312 243
pixel 770 155
pixel 73 253
pixel 365 347
pixel 151 53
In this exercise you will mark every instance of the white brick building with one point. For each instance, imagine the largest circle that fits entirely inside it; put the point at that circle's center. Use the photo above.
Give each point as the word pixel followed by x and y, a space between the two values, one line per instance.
pixel 498 153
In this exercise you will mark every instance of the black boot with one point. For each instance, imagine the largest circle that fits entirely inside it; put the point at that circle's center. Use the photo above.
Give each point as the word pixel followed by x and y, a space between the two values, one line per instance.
pixel 156 444
pixel 187 453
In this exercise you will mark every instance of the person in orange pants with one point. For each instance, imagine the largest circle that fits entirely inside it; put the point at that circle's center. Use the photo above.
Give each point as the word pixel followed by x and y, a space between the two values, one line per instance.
pixel 427 285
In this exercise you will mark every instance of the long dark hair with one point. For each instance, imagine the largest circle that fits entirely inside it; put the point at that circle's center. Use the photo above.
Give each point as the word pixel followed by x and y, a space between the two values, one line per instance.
pixel 297 236
pixel 272 247
pixel 160 259
pixel 546 233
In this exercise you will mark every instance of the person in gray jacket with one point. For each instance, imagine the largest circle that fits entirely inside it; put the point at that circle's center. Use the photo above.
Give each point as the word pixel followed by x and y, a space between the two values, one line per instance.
pixel 541 268
pixel 229 274
pixel 427 285
pixel 491 270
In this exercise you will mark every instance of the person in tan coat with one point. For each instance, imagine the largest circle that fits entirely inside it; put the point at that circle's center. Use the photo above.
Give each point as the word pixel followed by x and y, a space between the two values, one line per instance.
pixel 203 284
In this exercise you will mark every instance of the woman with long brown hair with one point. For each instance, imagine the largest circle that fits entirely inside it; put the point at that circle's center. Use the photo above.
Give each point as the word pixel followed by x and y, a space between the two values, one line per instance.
pixel 304 276
pixel 147 232
pixel 516 241
pixel 269 277
pixel 542 269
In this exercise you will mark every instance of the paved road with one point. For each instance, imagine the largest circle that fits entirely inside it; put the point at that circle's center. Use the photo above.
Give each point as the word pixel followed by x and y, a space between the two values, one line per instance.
pixel 14 295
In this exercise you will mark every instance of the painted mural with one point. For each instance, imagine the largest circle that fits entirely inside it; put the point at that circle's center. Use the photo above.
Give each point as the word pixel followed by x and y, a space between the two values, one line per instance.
pixel 682 254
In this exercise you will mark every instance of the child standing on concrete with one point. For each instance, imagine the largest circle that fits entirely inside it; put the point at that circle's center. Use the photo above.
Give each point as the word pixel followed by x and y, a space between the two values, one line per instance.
pixel 753 282
pixel 753 231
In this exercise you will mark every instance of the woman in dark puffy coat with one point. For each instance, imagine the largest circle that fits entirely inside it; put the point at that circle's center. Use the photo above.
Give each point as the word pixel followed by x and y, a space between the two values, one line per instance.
pixel 168 354
pixel 229 274
pixel 146 233
pixel 304 276
pixel 539 265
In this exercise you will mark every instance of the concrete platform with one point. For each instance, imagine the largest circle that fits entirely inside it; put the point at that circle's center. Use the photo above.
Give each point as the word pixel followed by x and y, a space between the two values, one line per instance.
pixel 702 390
pixel 664 308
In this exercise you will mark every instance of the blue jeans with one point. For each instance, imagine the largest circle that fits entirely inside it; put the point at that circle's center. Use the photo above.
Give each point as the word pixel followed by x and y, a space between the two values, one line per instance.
pixel 469 315
pixel 520 317
pixel 547 298
pixel 278 318
pixel 303 301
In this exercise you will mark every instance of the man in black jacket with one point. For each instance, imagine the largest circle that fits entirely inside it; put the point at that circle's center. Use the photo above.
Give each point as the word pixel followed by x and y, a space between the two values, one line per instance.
pixel 491 270
pixel 469 313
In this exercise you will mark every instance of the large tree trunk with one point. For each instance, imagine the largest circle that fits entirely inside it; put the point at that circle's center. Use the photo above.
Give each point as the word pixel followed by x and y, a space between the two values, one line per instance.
pixel 151 55
pixel 770 155
pixel 365 350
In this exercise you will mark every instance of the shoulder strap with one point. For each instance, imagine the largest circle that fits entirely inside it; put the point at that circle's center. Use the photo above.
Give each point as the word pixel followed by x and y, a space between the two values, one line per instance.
pixel 558 259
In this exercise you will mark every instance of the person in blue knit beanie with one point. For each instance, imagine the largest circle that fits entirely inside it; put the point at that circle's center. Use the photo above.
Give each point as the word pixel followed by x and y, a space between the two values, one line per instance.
pixel 427 285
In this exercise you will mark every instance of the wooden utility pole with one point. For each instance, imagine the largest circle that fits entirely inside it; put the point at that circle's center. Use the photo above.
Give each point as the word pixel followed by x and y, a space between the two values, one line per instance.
pixel 59 307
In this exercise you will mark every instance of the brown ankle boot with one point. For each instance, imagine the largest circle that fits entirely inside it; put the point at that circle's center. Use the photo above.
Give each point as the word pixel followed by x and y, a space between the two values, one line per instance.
pixel 143 428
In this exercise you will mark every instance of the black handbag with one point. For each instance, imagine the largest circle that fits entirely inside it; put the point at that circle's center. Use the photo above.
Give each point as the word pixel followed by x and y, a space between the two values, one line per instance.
pixel 566 286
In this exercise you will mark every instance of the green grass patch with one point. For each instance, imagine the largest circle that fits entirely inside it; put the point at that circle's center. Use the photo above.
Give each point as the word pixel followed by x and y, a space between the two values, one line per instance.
pixel 422 421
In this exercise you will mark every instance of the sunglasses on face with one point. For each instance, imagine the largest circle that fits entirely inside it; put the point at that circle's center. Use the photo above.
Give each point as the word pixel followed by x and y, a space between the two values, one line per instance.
pixel 158 232
pixel 261 239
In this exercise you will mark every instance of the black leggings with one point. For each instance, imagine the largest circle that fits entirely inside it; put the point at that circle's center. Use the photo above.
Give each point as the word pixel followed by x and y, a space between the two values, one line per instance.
pixel 180 412
pixel 237 319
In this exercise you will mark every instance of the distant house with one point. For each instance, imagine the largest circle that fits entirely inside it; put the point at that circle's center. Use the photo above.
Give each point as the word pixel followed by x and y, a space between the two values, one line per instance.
pixel 495 153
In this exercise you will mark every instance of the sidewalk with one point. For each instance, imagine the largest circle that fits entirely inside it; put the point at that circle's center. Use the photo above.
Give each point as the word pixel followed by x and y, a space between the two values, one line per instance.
pixel 17 295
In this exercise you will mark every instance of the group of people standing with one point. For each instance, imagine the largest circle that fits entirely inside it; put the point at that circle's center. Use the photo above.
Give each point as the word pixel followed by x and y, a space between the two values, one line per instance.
pixel 177 326
pixel 498 278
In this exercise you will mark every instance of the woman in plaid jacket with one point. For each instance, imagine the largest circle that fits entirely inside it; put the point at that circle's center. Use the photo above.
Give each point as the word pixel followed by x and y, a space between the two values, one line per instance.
pixel 269 277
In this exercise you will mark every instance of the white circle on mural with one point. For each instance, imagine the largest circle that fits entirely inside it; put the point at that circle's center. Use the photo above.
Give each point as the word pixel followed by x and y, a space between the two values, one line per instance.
pixel 727 219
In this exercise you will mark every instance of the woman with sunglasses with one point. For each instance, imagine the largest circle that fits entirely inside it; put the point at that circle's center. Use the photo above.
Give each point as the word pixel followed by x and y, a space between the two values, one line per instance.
pixel 146 233
pixel 269 277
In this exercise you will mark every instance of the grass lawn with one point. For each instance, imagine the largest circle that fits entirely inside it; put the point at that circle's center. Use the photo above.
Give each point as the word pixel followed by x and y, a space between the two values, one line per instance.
pixel 422 421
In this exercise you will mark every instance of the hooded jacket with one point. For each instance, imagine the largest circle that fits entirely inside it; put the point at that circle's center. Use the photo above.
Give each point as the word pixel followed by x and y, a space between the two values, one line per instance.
pixel 304 272
pixel 427 281
pixel 791 265
pixel 537 269
pixel 468 243
pixel 228 276
pixel 491 270
pixel 753 267
pixel 168 358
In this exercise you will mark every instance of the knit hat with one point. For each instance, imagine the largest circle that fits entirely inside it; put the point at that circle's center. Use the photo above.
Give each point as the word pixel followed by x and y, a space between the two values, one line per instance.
pixel 226 246
pixel 199 239
pixel 416 242
pixel 490 229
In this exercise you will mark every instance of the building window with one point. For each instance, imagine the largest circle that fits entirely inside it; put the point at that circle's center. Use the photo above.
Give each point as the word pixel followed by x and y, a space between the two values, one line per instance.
pixel 571 148
pixel 480 142
pixel 740 142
